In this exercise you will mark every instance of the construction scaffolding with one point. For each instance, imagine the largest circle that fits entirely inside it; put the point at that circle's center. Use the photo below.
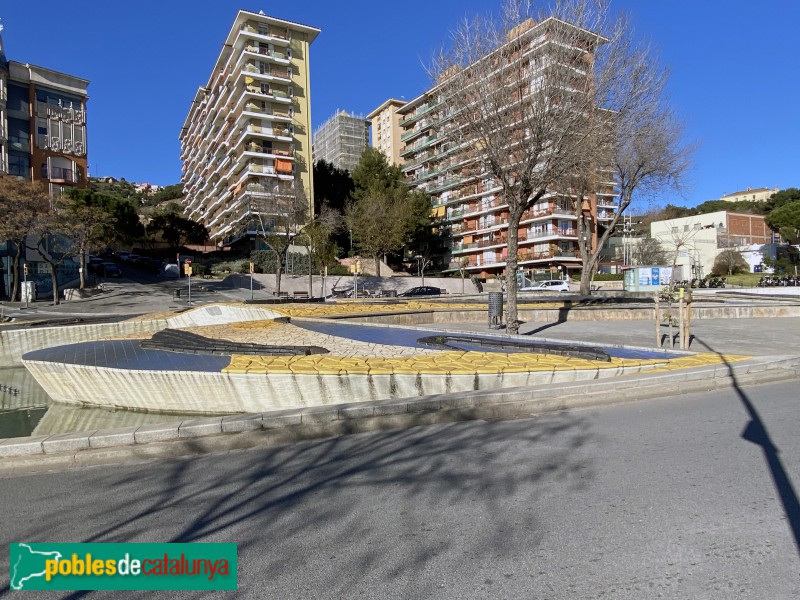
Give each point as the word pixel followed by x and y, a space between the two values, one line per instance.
pixel 341 140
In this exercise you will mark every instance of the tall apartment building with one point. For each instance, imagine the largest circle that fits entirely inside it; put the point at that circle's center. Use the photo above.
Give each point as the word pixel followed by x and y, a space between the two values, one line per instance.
pixel 386 130
pixel 249 128
pixel 42 125
pixel 341 140
pixel 469 211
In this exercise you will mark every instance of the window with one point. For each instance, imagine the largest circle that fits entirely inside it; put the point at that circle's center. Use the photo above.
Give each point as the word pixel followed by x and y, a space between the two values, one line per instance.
pixel 19 165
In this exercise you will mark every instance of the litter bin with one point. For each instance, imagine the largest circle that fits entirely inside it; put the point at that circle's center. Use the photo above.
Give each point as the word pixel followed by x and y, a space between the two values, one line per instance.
pixel 176 294
pixel 390 293
pixel 495 310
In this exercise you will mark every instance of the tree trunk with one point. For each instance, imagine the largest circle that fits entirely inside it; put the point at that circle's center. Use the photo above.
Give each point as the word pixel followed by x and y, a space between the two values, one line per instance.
pixel 377 265
pixel 81 269
pixel 15 273
pixel 310 275
pixel 278 271
pixel 54 279
pixel 512 322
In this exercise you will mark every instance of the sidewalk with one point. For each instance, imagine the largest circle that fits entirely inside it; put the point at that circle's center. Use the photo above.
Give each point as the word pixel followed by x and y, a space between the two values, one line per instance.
pixel 754 337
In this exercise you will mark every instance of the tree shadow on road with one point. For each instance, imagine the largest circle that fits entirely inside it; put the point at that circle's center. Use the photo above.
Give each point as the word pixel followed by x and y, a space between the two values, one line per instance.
pixel 340 506
pixel 756 433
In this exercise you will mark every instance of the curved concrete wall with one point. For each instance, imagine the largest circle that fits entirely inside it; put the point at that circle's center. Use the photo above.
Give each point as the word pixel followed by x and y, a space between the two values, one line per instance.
pixel 199 392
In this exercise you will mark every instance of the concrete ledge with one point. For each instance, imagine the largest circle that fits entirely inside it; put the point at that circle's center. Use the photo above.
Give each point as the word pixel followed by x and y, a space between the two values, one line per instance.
pixel 67 442
pixel 200 427
pixel 245 422
pixel 220 434
pixel 157 433
pixel 107 438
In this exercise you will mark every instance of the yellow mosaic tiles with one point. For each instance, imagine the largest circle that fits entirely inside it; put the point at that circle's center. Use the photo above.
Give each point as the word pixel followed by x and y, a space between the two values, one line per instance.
pixel 451 363
pixel 355 308
pixel 253 325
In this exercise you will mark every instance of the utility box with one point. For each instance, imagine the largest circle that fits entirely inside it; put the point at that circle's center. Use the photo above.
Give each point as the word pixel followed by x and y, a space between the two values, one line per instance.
pixel 646 279
pixel 28 291
pixel 495 310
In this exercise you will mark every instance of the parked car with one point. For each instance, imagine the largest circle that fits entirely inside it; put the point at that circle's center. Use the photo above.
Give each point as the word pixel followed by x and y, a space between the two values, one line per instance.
pixel 154 265
pixel 93 262
pixel 109 269
pixel 133 259
pixel 423 290
pixel 551 285
pixel 123 256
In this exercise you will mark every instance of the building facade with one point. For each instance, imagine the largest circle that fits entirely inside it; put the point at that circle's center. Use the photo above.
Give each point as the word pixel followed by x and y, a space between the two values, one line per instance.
pixel 470 214
pixel 693 243
pixel 42 125
pixel 248 131
pixel 386 130
pixel 341 140
pixel 751 195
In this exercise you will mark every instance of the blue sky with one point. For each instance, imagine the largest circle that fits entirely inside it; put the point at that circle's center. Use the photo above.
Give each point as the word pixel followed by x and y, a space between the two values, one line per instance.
pixel 734 72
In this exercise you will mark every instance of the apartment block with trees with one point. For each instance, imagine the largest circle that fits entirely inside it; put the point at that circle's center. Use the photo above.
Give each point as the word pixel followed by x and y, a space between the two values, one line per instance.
pixel 444 159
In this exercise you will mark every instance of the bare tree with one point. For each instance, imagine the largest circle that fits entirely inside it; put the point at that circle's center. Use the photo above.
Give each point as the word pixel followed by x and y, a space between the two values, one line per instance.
pixel 549 109
pixel 21 203
pixel 316 236
pixel 277 216
pixel 648 251
pixel 57 235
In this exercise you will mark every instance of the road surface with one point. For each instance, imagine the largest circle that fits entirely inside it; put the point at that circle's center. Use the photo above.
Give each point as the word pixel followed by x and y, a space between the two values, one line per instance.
pixel 656 499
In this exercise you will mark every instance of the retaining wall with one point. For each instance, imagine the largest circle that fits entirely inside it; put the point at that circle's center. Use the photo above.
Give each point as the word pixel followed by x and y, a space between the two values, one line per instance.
pixel 207 392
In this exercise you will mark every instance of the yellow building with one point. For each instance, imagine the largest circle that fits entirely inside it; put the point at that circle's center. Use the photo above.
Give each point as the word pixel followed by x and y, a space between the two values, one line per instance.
pixel 386 130
pixel 249 127
pixel 750 195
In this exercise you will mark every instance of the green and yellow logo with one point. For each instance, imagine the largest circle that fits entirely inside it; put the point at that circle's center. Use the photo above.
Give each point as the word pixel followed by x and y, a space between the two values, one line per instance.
pixel 123 566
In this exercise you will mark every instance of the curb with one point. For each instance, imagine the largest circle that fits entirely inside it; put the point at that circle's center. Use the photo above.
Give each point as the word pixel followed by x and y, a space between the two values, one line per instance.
pixel 198 436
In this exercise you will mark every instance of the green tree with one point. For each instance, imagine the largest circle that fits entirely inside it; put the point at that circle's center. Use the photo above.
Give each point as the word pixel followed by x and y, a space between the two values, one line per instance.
pixel 170 192
pixel 175 229
pixel 384 214
pixel 781 198
pixel 743 206
pixel 786 220
pixel 332 188
pixel 729 262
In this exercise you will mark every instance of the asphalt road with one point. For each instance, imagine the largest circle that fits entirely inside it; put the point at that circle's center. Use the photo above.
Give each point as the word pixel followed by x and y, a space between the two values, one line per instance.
pixel 658 499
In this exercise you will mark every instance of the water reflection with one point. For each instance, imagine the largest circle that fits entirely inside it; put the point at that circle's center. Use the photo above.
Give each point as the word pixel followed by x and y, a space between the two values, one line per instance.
pixel 30 411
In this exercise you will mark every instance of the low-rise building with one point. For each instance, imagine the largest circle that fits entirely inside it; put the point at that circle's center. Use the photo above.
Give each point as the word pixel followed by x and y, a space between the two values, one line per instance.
pixel 750 195
pixel 693 243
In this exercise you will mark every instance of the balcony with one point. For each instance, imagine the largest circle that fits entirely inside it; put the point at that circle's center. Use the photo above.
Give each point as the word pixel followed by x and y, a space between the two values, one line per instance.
pixel 62 175
pixel 278 57
pixel 420 128
pixel 419 112
pixel 262 32
pixel 254 72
